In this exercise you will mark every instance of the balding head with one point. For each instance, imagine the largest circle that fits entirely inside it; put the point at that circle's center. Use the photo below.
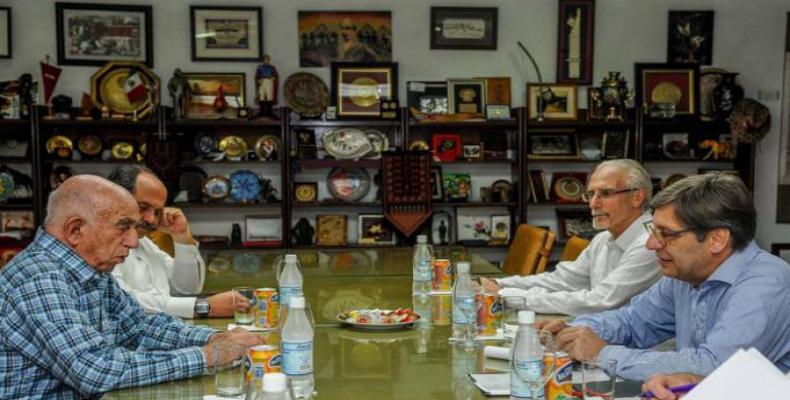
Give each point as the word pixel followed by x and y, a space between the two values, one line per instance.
pixel 86 196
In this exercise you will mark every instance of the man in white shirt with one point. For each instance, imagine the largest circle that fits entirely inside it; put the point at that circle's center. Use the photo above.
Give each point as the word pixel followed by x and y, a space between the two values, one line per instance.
pixel 150 274
pixel 614 267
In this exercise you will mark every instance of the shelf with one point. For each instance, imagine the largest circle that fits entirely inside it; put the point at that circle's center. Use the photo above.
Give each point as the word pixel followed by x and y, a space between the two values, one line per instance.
pixel 336 204
pixel 693 161
pixel 17 160
pixel 342 123
pixel 220 123
pixel 555 204
pixel 14 123
pixel 473 204
pixel 226 205
pixel 313 164
pixel 561 161
pixel 478 124
pixel 146 124
pixel 686 122
pixel 203 162
pixel 92 162
pixel 464 161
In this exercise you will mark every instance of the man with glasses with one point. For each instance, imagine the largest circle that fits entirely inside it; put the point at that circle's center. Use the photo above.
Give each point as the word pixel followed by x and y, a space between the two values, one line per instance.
pixel 720 292
pixel 614 267
pixel 150 274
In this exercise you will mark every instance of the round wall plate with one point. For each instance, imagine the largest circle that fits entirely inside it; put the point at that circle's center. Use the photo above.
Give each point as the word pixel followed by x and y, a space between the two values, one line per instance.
pixel 122 151
pixel 216 187
pixel 233 146
pixel 348 184
pixel 379 141
pixel 6 186
pixel 245 186
pixel 89 145
pixel 267 148
pixel 347 143
pixel 306 94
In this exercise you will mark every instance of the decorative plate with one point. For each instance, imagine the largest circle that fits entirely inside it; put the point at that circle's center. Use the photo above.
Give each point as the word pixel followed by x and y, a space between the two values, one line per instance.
pixel 245 186
pixel 419 145
pixel 268 148
pixel 348 184
pixel 191 179
pixel 89 145
pixel 108 87
pixel 60 146
pixel 306 94
pixel 216 187
pixel 205 144
pixel 305 192
pixel 569 188
pixel 233 146
pixel 6 186
pixel 377 320
pixel 379 141
pixel 122 151
pixel 59 175
pixel 346 143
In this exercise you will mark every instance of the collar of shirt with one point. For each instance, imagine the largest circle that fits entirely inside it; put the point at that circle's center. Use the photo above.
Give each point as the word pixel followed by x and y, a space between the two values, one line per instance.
pixel 72 262
pixel 731 268
pixel 632 232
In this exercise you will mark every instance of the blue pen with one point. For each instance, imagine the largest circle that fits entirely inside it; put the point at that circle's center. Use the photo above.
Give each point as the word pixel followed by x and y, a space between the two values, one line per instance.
pixel 674 389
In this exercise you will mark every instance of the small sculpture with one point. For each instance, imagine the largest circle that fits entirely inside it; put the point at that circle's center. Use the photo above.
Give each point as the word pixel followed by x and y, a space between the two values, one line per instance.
pixel 220 104
pixel 177 86
pixel 303 232
pixel 235 235
pixel 442 233
pixel 266 79
pixel 723 149
pixel 25 95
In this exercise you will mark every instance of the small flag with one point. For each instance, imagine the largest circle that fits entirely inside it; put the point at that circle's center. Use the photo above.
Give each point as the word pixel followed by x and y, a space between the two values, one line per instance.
pixel 49 76
pixel 134 86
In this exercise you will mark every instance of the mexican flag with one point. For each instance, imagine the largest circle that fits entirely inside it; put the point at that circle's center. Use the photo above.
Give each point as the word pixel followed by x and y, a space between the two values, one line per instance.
pixel 134 86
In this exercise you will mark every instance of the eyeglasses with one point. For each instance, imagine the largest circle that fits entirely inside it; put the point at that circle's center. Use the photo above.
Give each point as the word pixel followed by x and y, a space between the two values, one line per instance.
pixel 604 193
pixel 663 236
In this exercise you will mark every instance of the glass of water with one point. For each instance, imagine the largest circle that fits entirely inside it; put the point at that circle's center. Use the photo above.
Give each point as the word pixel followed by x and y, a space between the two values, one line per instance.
pixel 511 305
pixel 243 315
pixel 227 365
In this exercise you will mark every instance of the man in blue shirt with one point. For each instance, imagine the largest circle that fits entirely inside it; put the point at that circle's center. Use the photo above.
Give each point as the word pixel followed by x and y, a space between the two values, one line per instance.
pixel 720 292
pixel 68 329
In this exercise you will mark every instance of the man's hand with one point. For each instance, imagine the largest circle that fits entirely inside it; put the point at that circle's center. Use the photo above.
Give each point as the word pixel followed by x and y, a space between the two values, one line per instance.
pixel 222 304
pixel 489 285
pixel 660 384
pixel 174 222
pixel 580 342
pixel 225 347
pixel 552 325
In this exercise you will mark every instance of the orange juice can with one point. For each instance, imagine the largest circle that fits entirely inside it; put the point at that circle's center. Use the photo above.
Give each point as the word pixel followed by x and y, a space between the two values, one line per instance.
pixel 262 359
pixel 441 309
pixel 442 275
pixel 489 314
pixel 560 386
pixel 267 308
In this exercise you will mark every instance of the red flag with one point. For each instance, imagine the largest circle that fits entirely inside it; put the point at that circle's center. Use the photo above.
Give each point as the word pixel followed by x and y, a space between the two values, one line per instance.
pixel 49 75
pixel 134 86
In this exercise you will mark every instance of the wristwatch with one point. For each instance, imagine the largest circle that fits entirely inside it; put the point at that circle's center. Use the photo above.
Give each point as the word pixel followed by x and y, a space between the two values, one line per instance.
pixel 202 307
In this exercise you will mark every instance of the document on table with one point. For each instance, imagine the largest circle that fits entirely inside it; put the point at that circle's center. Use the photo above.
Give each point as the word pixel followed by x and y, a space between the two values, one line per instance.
pixel 499 384
pixel 745 375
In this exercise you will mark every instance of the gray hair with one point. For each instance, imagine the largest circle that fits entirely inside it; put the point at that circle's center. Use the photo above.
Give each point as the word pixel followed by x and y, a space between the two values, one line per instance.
pixel 710 201
pixel 636 176
pixel 126 175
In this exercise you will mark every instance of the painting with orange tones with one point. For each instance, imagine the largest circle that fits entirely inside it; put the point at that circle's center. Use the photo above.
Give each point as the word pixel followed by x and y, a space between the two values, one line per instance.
pixel 326 36
pixel 205 89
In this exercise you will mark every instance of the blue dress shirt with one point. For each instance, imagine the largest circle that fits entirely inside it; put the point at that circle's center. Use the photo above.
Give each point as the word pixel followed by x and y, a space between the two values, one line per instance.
pixel 744 303
pixel 69 331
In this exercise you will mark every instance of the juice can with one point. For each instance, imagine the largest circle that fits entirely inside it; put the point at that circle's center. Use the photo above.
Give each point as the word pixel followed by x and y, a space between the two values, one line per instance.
pixel 442 275
pixel 560 386
pixel 267 308
pixel 489 314
pixel 262 359
pixel 441 309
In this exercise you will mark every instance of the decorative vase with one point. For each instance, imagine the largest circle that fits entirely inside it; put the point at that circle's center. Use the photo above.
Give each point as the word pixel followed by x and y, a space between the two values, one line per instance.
pixel 726 95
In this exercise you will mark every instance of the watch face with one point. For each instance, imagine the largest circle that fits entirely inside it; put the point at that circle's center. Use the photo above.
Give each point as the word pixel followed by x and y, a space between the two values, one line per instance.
pixel 202 307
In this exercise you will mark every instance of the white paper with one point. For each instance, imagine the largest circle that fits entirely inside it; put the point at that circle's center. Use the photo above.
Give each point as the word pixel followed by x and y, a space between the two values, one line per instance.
pixel 498 352
pixel 251 328
pixel 745 375
pixel 492 384
pixel 497 336
pixel 417 87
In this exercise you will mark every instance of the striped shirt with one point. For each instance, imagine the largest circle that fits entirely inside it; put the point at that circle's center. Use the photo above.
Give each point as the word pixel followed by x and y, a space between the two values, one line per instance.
pixel 69 331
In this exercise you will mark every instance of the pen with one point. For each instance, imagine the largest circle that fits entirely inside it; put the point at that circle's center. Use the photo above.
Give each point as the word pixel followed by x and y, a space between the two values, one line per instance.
pixel 675 389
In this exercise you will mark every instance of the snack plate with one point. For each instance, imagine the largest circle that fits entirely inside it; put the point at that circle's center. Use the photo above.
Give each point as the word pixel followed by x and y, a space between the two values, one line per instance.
pixel 349 318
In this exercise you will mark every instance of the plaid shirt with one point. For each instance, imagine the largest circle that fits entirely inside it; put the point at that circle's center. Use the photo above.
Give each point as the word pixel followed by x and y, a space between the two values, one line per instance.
pixel 69 331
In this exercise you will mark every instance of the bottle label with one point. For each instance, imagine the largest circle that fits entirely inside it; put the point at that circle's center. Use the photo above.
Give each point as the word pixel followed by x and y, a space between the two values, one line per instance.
pixel 422 270
pixel 297 358
pixel 522 372
pixel 286 292
pixel 464 310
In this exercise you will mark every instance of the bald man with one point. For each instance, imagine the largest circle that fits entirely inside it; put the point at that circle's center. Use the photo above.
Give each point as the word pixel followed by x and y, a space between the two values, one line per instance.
pixel 68 329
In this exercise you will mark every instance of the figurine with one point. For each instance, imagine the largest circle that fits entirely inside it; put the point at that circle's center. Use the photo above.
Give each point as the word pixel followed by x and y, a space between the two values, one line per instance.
pixel 268 191
pixel 442 233
pixel 177 86
pixel 266 79
pixel 220 104
pixel 235 235
pixel 25 95
pixel 303 232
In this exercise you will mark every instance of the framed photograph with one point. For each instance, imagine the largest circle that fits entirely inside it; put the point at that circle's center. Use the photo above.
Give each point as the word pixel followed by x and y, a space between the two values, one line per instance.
pixel 466 96
pixel 500 229
pixel 464 28
pixel 427 97
pixel 263 229
pixel 204 89
pixel 676 146
pixel 560 101
pixel 446 146
pixel 781 250
pixel 358 88
pixel 306 148
pixel 498 91
pixel 226 33
pixel 561 145
pixel 375 230
pixel 305 192
pixel 591 146
pixel 93 34
pixel 595 108
pixel 575 222
pixel 690 37
pixel 615 144
pixel 457 187
pixel 671 84
pixel 332 230
pixel 442 228
pixel 437 184
pixel 575 41
pixel 472 228
pixel 351 36
pixel 5 32
pixel 473 151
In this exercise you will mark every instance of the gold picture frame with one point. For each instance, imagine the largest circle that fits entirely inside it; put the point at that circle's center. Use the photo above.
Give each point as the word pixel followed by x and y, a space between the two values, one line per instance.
pixel 358 88
pixel 332 230
pixel 204 88
pixel 563 103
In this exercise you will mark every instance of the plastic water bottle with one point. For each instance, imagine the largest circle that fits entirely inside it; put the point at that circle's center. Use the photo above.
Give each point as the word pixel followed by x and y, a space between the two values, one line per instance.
pixel 289 280
pixel 527 358
pixel 297 349
pixel 464 301
pixel 274 386
pixel 422 266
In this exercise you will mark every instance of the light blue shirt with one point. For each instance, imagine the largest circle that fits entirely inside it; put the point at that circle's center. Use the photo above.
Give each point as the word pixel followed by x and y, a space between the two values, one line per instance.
pixel 744 303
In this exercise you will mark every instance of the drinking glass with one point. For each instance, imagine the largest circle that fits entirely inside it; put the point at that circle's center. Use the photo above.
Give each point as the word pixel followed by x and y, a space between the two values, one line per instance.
pixel 598 380
pixel 471 311
pixel 243 316
pixel 534 379
pixel 227 366
pixel 511 305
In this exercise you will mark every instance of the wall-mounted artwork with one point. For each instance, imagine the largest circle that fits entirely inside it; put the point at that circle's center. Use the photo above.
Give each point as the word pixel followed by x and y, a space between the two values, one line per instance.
pixel 226 33
pixel 5 32
pixel 690 37
pixel 326 36
pixel 575 41
pixel 464 28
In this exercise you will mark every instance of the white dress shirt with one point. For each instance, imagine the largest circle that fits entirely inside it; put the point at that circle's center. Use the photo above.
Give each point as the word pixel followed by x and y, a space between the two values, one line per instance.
pixel 153 277
pixel 604 276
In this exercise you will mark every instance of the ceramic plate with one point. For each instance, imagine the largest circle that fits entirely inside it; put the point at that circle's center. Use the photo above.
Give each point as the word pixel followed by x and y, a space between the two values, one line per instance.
pixel 233 146
pixel 347 143
pixel 6 186
pixel 267 148
pixel 348 184
pixel 109 83
pixel 122 151
pixel 205 144
pixel 245 186
pixel 89 145
pixel 378 319
pixel 379 141
pixel 306 94
pixel 59 175
pixel 216 187
pixel 569 188
pixel 60 146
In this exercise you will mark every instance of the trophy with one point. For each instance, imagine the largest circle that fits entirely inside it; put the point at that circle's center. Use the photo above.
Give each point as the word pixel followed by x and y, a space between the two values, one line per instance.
pixel 614 96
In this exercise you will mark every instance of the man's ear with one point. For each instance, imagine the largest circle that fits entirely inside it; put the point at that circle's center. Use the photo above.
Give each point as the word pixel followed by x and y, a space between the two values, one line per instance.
pixel 74 230
pixel 719 240
pixel 639 198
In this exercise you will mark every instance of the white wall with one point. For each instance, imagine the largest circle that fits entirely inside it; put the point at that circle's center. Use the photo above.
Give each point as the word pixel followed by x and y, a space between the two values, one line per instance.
pixel 748 38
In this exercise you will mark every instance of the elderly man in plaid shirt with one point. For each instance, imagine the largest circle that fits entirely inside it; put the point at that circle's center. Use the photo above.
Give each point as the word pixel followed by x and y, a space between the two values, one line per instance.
pixel 68 329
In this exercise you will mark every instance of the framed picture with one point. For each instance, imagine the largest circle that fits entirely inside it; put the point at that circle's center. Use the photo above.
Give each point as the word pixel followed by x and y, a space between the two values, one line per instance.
pixel 457 187
pixel 781 250
pixel 226 33
pixel 500 229
pixel 442 228
pixel 374 229
pixel 428 97
pixel 615 144
pixel 595 107
pixel 673 84
pixel 5 32
pixel 352 36
pixel 263 229
pixel 332 230
pixel 358 88
pixel 466 96
pixel 464 28
pixel 575 41
pixel 305 192
pixel 437 184
pixel 498 91
pixel 446 146
pixel 676 146
pixel 591 146
pixel 305 144
pixel 553 145
pixel 690 37
pixel 472 229
pixel 560 101
pixel 538 186
pixel 206 88
pixel 93 34
pixel 473 151
pixel 575 222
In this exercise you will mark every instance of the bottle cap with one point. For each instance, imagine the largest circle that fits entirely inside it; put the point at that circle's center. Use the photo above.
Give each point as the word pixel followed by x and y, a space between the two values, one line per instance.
pixel 463 267
pixel 422 239
pixel 291 258
pixel 275 382
pixel 524 317
pixel 298 302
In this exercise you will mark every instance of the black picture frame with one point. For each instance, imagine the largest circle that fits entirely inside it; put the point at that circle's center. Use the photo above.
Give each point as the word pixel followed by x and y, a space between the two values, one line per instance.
pixel 6 45
pixel 575 17
pixel 553 145
pixel 345 74
pixel 466 96
pixel 437 184
pixel 615 144
pixel 474 22
pixel 201 49
pixel 428 97
pixel 65 56
pixel 690 37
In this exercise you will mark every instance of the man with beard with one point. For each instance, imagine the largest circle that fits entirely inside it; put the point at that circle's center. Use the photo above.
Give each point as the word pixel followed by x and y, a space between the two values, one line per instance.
pixel 614 267
pixel 150 274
